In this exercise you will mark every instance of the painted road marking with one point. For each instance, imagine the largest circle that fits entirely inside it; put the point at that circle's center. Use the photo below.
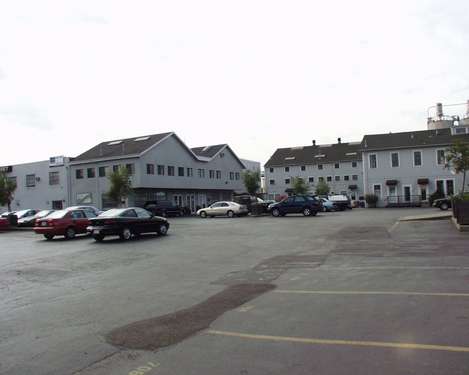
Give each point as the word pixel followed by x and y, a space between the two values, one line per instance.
pixel 394 226
pixel 338 268
pixel 312 341
pixel 246 308
pixel 149 366
pixel 362 292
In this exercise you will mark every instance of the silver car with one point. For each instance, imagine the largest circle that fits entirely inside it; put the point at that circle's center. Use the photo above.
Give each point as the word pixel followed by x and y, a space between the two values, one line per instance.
pixel 224 208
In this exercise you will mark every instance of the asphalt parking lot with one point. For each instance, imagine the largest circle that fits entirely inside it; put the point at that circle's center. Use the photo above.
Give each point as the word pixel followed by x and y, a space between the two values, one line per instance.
pixel 348 292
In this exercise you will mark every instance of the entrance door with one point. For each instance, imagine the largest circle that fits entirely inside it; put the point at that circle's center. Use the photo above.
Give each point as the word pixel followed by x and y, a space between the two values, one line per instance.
pixel 178 201
pixel 190 202
pixel 202 200
pixel 392 194
pixel 423 193
pixel 407 193
pixel 449 187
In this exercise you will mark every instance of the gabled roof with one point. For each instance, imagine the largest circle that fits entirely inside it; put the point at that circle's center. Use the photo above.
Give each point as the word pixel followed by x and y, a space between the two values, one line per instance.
pixel 122 147
pixel 319 154
pixel 414 139
pixel 208 151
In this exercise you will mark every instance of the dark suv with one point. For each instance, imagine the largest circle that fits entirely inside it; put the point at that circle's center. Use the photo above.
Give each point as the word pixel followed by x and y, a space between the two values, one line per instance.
pixel 163 208
pixel 297 204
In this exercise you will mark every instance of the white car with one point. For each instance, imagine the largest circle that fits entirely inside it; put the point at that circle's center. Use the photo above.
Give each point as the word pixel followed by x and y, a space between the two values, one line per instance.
pixel 224 208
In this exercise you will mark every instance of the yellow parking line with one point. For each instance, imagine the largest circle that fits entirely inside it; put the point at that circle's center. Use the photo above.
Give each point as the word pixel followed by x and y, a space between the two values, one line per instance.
pixel 361 292
pixel 396 345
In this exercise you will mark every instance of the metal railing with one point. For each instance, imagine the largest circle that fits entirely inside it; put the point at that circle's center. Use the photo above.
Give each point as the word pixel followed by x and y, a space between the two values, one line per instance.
pixel 403 201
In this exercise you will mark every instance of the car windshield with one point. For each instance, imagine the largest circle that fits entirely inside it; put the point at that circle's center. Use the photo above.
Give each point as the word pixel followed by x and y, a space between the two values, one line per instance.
pixel 58 214
pixel 21 213
pixel 42 213
pixel 113 212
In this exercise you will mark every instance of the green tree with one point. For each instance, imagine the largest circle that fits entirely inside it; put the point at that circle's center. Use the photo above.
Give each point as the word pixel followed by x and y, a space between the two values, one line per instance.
pixel 457 157
pixel 322 188
pixel 121 185
pixel 7 190
pixel 252 181
pixel 299 186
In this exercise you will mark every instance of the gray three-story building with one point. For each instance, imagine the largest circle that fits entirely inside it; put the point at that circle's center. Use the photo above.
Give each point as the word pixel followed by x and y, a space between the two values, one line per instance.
pixel 339 165
pixel 162 167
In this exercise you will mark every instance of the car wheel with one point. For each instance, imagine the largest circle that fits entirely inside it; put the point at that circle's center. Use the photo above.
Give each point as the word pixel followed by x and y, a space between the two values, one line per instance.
pixel 98 237
pixel 276 212
pixel 162 230
pixel 444 206
pixel 126 234
pixel 306 211
pixel 49 237
pixel 70 233
pixel 230 213
pixel 203 214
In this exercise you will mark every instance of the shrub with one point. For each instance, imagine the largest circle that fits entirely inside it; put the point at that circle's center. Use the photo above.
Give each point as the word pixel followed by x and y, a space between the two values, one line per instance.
pixel 371 199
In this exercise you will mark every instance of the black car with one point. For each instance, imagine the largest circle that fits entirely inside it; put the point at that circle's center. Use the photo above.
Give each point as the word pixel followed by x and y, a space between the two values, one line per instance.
pixel 442 203
pixel 126 223
pixel 163 208
pixel 297 204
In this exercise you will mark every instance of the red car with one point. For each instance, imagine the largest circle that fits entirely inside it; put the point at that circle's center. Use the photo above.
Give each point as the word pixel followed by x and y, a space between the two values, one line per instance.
pixel 67 223
pixel 4 224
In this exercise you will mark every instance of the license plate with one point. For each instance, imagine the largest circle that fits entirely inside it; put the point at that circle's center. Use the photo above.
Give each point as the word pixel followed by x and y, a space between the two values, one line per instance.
pixel 95 231
pixel 44 224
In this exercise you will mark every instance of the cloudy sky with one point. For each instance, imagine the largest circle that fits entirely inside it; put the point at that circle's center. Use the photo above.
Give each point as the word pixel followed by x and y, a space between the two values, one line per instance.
pixel 255 74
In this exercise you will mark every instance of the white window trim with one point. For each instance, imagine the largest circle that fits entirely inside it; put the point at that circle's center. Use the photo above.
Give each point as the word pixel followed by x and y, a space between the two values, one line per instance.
pixel 420 192
pixel 314 179
pixel 436 155
pixel 444 184
pixel 327 177
pixel 340 179
pixel 369 161
pixel 421 158
pixel 403 191
pixel 380 190
pixel 398 159
pixel 388 188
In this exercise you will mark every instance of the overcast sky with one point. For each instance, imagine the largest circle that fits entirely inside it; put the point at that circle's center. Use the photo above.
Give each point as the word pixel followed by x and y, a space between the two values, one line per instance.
pixel 255 74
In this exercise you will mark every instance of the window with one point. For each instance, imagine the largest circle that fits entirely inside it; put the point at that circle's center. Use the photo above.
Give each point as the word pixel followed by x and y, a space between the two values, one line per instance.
pixel 336 165
pixel 377 190
pixel 201 172
pixel 77 214
pixel 211 173
pixel 337 178
pixel 354 164
pixel 130 169
pixel 311 179
pixel 13 180
pixel 102 171
pixel 218 175
pixel 287 169
pixel 300 200
pixel 84 198
pixel 418 159
pixel 79 174
pixel 54 178
pixel 142 213
pixel 320 166
pixel 287 181
pixel 57 205
pixel 329 178
pixel 346 178
pixel 440 157
pixel 150 169
pixel 373 161
pixel 271 170
pixel 237 176
pixel 394 159
pixel 170 170
pixel 303 168
pixel 231 175
pixel 30 180
pixel 90 173
pixel 160 170
pixel 272 182
pixel 128 213
pixel 190 172
pixel 181 171
pixel 355 177
pixel 115 168
pixel 321 179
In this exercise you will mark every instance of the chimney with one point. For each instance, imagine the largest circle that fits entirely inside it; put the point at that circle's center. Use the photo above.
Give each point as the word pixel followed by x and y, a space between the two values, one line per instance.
pixel 314 142
pixel 339 140
pixel 439 110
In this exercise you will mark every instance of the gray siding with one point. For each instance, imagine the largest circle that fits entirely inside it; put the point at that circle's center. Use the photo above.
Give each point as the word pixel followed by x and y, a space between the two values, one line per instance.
pixel 279 175
pixel 170 152
pixel 42 194
pixel 406 173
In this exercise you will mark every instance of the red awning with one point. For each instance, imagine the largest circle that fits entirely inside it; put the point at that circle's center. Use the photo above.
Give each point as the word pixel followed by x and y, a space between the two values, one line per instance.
pixel 391 182
pixel 422 181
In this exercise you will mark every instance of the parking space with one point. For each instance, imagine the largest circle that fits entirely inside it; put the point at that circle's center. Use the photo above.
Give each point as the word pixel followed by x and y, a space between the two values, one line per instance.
pixel 354 292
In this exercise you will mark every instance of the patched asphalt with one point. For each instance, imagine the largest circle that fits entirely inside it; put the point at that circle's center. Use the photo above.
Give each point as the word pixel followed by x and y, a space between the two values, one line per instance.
pixel 201 300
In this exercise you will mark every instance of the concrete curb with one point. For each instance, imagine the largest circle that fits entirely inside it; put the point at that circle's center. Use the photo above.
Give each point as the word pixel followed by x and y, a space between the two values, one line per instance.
pixel 459 227
pixel 436 216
